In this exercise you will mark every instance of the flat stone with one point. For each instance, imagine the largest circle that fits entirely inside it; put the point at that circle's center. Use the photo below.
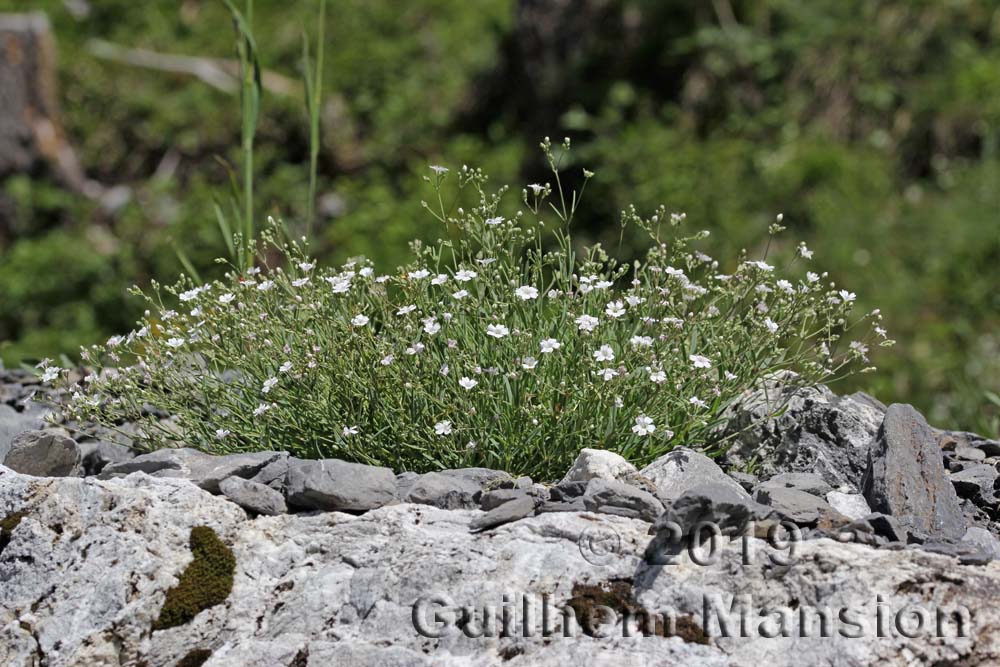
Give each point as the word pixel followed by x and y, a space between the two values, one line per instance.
pixel 599 464
pixel 570 505
pixel 977 483
pixel 450 492
pixel 797 506
pixel 332 484
pixel 516 509
pixel 906 478
pixel 203 469
pixel 565 491
pixel 493 499
pixel 44 454
pixel 275 473
pixel 887 527
pixel 984 540
pixel 13 422
pixel 717 504
pixel 745 479
pixel 253 496
pixel 952 440
pixel 801 481
pixel 969 453
pixel 674 473
pixel 611 497
pixel 852 505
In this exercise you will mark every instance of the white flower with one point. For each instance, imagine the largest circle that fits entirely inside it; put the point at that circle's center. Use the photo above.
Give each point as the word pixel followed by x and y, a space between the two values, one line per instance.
pixel 349 431
pixel 460 294
pixel 615 309
pixel 641 341
pixel 771 325
pixel 175 342
pixel 697 402
pixel 265 286
pixel 406 310
pixel 268 385
pixel 465 275
pixel 221 434
pixel 359 320
pixel 549 345
pixel 486 261
pixel 438 169
pixel 226 298
pixel 536 188
pixel 529 363
pixel 494 221
pixel 607 373
pixel 416 348
pixel 419 275
pixel 634 300
pixel 339 284
pixel 387 359
pixel 699 361
pixel 604 353
pixel 603 284
pixel 444 370
pixel 431 326
pixel 261 409
pixel 467 383
pixel 805 252
pixel 253 270
pixel 658 377
pixel 848 297
pixel 366 271
pixel 439 279
pixel 643 425
pixel 763 266
pixel 526 292
pixel 115 341
pixel 306 266
pixel 859 348
pixel 299 282
pixel 191 294
pixel 729 376
pixel 443 428
pixel 50 374
pixel 497 330
pixel 811 277
pixel 285 367
pixel 786 287
pixel 382 279
pixel 586 322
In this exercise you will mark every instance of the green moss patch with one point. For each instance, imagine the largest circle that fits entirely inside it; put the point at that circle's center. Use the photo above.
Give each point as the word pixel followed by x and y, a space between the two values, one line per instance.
pixel 206 582
pixel 7 526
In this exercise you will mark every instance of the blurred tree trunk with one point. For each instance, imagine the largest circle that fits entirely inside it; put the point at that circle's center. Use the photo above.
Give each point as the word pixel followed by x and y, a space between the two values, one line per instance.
pixel 31 132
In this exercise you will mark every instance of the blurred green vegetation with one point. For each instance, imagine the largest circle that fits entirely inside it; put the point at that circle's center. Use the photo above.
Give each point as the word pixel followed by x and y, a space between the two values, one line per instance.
pixel 874 125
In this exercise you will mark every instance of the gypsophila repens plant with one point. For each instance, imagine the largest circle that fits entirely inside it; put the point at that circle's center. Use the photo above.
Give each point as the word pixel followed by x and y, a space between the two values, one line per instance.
pixel 502 348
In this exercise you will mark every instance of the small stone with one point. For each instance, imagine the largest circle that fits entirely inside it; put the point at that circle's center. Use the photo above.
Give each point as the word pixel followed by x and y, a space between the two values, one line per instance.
pixel 565 491
pixel 852 505
pixel 977 483
pixel 332 484
pixel 275 473
pixel 599 464
pixel 969 453
pixel 683 469
pixel 493 499
pixel 798 506
pixel 801 481
pixel 506 513
pixel 253 496
pixel 716 504
pixel 571 505
pixel 886 527
pixel 745 479
pixel 618 498
pixel 450 492
pixel 44 454
pixel 96 455
pixel 203 469
pixel 984 540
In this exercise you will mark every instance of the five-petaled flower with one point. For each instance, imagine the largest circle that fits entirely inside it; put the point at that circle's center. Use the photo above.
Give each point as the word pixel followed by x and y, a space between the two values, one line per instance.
pixel 497 330
pixel 643 425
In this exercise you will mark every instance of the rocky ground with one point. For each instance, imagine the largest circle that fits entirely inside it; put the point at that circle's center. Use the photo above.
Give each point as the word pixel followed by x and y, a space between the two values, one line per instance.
pixel 863 537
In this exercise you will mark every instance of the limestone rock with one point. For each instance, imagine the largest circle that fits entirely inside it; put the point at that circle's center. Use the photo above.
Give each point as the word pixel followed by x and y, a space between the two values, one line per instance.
pixel 795 505
pixel 44 454
pixel 807 482
pixel 253 496
pixel 906 479
pixel 86 569
pixel 600 464
pixel 683 469
pixel 852 505
pixel 203 469
pixel 819 432
pixel 611 497
pixel 332 484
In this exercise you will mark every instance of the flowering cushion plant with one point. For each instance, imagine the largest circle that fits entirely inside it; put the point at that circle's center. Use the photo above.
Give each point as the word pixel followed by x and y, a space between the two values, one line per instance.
pixel 505 347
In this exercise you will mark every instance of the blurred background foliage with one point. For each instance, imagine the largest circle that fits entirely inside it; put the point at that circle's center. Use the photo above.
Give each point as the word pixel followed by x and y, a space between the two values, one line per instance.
pixel 874 125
